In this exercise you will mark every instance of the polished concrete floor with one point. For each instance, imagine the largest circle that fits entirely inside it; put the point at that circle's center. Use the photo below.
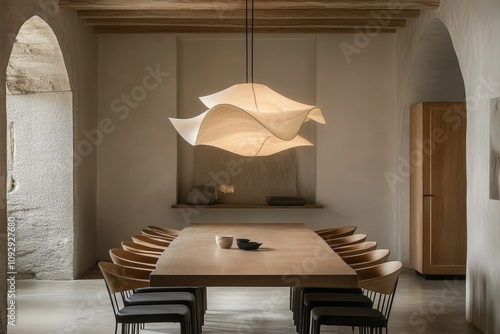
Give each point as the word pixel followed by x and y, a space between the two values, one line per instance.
pixel 82 306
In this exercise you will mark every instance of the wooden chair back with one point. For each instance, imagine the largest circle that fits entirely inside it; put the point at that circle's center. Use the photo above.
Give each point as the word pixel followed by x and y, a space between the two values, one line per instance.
pixel 117 280
pixel 381 278
pixel 356 248
pixel 141 249
pixel 381 287
pixel 129 259
pixel 150 242
pixel 336 232
pixel 345 241
pixel 367 259
pixel 168 231
pixel 156 235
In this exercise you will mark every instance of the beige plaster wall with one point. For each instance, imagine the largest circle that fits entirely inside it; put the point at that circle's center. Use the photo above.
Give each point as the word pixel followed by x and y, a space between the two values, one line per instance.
pixel 79 47
pixel 474 27
pixel 137 160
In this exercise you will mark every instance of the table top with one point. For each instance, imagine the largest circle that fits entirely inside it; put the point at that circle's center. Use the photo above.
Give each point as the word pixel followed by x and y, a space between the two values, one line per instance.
pixel 291 255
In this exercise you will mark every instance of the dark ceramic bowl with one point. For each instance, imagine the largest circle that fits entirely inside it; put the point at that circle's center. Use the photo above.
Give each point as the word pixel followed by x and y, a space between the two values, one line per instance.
pixel 243 240
pixel 251 245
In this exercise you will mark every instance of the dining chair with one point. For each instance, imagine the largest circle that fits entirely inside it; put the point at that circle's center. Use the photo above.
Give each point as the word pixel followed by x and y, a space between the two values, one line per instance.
pixel 156 235
pixel 358 261
pixel 130 259
pixel 326 234
pixel 141 249
pixel 336 232
pixel 312 297
pixel 162 295
pixel 356 248
pixel 148 262
pixel 296 293
pixel 346 241
pixel 309 297
pixel 150 242
pixel 367 259
pixel 379 283
pixel 298 298
pixel 131 316
pixel 168 231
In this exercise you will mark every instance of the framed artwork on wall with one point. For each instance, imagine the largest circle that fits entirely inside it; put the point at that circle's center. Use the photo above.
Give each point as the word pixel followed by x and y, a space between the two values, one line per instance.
pixel 495 149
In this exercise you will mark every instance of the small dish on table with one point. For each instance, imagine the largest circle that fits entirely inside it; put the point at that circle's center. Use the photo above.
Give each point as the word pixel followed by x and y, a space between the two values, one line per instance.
pixel 246 244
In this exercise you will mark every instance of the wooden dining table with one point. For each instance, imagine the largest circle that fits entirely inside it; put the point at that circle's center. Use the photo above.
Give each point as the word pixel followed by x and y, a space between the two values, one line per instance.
pixel 290 255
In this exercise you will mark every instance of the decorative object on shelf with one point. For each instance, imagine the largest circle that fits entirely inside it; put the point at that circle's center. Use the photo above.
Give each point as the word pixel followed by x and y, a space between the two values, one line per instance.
pixel 224 241
pixel 202 195
pixel 285 200
pixel 249 119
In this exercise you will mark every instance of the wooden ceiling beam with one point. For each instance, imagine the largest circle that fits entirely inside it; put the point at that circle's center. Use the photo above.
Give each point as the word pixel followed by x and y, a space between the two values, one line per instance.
pixel 191 16
pixel 192 29
pixel 318 22
pixel 305 13
pixel 233 5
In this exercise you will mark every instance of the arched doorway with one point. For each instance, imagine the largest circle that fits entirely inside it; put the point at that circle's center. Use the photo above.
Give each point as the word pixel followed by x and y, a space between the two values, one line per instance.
pixel 39 147
pixel 435 76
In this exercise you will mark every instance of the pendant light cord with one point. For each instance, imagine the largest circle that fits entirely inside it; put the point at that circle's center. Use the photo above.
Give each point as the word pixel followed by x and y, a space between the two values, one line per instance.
pixel 253 21
pixel 249 45
pixel 246 41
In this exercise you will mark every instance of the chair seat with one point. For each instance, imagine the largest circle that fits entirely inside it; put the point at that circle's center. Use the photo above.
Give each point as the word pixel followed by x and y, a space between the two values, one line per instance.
pixel 337 299
pixel 166 289
pixel 312 300
pixel 155 298
pixel 358 291
pixel 332 290
pixel 153 313
pixel 298 296
pixel 348 316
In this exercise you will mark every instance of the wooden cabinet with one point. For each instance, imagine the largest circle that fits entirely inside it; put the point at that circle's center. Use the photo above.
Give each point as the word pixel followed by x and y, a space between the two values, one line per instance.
pixel 438 226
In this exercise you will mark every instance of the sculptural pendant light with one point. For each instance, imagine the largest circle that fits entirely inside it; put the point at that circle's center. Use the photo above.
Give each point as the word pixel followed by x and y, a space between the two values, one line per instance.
pixel 249 119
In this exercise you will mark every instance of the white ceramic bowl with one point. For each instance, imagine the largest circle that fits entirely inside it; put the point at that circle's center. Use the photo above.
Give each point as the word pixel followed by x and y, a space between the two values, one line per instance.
pixel 224 241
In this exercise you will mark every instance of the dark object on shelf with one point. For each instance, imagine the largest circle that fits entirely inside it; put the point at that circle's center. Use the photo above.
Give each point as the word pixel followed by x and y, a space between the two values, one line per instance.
pixel 285 200
pixel 249 245
pixel 202 195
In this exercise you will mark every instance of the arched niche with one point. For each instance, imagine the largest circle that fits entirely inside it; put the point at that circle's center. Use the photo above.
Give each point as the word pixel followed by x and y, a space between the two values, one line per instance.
pixel 39 153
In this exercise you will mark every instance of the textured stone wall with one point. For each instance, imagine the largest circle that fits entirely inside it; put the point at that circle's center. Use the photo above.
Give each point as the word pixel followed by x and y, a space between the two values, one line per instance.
pixel 36 63
pixel 40 183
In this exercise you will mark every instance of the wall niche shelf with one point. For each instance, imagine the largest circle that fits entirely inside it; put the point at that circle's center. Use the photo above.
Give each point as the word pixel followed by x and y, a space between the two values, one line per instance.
pixel 246 206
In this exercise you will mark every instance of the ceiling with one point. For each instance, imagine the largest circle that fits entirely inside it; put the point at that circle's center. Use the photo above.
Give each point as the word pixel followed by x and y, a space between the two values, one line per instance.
pixel 271 16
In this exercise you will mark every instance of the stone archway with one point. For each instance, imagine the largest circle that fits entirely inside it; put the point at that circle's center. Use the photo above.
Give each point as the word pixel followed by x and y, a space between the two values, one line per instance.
pixel 39 153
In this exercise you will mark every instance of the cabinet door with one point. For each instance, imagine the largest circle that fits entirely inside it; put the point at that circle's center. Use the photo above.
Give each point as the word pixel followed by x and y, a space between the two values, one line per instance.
pixel 444 188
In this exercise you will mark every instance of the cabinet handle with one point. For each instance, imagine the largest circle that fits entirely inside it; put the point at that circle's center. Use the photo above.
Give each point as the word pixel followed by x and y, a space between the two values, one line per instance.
pixel 428 195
